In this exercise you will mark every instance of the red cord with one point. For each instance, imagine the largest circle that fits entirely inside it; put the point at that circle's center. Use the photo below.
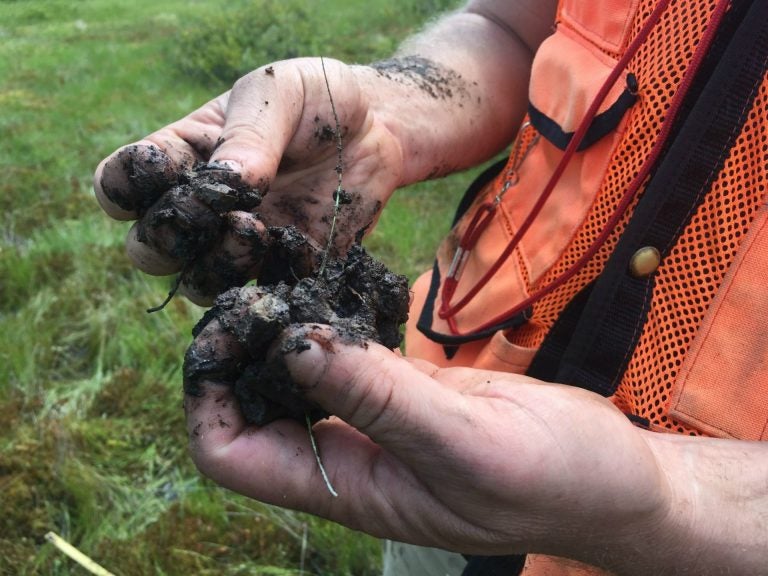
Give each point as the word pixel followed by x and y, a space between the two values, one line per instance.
pixel 448 312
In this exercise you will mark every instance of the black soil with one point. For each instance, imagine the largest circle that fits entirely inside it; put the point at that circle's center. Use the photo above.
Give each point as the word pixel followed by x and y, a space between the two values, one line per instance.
pixel 357 295
pixel 235 341
pixel 189 217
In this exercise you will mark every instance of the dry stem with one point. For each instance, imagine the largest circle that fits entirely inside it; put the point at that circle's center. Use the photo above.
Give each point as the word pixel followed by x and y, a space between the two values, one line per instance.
pixel 76 555
pixel 339 172
pixel 319 461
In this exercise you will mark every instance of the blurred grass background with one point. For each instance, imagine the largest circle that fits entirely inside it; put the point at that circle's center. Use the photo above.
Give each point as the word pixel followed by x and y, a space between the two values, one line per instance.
pixel 92 442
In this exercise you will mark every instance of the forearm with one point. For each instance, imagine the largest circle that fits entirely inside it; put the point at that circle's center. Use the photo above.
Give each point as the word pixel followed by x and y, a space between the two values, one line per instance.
pixel 455 94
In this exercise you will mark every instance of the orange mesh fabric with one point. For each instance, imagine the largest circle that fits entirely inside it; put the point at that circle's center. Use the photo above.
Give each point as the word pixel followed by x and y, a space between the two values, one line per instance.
pixel 682 291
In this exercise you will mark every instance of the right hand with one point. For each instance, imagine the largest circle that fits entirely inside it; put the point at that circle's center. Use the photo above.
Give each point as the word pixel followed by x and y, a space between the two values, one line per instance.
pixel 276 129
pixel 463 459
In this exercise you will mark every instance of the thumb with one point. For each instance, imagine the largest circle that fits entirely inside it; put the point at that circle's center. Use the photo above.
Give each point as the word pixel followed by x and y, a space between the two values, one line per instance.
pixel 262 113
pixel 371 388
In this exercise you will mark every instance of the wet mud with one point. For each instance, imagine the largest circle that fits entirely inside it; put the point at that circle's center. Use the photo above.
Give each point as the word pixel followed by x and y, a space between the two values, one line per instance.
pixel 267 277
pixel 238 340
pixel 138 176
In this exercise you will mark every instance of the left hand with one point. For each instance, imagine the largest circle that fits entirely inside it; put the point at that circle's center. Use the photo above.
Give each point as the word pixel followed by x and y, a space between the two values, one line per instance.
pixel 463 459
pixel 276 132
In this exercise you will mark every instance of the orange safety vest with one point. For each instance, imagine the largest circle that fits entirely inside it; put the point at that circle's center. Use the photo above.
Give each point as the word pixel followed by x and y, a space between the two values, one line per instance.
pixel 667 316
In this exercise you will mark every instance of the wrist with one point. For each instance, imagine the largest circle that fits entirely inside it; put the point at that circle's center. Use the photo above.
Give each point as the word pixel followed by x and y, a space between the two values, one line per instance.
pixel 710 516
pixel 453 97
pixel 718 511
pixel 628 527
pixel 426 108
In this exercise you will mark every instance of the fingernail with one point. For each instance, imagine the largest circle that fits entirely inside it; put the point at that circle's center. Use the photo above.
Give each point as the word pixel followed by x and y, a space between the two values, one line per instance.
pixel 305 356
pixel 225 165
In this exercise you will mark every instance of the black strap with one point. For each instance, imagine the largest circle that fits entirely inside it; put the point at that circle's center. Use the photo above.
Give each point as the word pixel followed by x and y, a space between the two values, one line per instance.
pixel 547 360
pixel 494 565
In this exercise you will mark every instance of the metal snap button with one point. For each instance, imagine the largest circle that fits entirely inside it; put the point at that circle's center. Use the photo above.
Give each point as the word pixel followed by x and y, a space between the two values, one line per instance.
pixel 644 262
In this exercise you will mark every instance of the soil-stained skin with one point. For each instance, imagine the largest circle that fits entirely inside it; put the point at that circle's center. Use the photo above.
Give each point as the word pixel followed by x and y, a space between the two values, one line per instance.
pixel 430 77
pixel 137 176
pixel 193 215
pixel 357 295
pixel 189 216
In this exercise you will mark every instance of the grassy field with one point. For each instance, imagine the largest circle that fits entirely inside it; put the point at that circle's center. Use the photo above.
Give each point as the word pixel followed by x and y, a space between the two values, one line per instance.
pixel 92 444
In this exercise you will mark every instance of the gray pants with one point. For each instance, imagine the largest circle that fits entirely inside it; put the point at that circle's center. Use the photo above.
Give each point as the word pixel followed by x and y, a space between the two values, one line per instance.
pixel 408 560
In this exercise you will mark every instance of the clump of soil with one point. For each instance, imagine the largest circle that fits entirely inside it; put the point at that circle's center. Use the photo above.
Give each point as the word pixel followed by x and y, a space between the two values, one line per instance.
pixel 356 294
pixel 187 219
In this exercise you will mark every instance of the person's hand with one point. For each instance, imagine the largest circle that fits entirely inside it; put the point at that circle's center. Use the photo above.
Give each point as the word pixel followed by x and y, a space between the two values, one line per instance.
pixel 438 106
pixel 276 130
pixel 463 459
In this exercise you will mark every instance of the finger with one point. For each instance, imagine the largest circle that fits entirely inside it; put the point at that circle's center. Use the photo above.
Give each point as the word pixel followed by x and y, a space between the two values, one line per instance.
pixel 263 112
pixel 281 115
pixel 131 179
pixel 176 229
pixel 249 250
pixel 145 258
pixel 292 255
pixel 215 355
pixel 234 262
pixel 211 366
pixel 276 464
pixel 214 419
pixel 273 463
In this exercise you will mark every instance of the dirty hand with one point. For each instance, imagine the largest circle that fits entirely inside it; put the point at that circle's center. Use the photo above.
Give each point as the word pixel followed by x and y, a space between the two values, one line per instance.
pixel 463 459
pixel 275 131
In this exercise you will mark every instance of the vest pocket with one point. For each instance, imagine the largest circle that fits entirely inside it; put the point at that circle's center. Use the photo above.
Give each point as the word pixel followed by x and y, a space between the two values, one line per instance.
pixel 722 387
pixel 605 23
pixel 567 74
pixel 504 356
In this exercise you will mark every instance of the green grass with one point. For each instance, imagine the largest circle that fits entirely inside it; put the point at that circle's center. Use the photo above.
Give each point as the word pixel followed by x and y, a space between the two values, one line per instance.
pixel 92 444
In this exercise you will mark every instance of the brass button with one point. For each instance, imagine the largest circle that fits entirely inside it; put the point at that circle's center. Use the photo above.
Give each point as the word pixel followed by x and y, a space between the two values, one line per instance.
pixel 644 262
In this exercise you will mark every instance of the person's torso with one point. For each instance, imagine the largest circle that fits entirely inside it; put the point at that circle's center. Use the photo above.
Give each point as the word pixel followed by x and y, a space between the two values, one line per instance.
pixel 674 336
